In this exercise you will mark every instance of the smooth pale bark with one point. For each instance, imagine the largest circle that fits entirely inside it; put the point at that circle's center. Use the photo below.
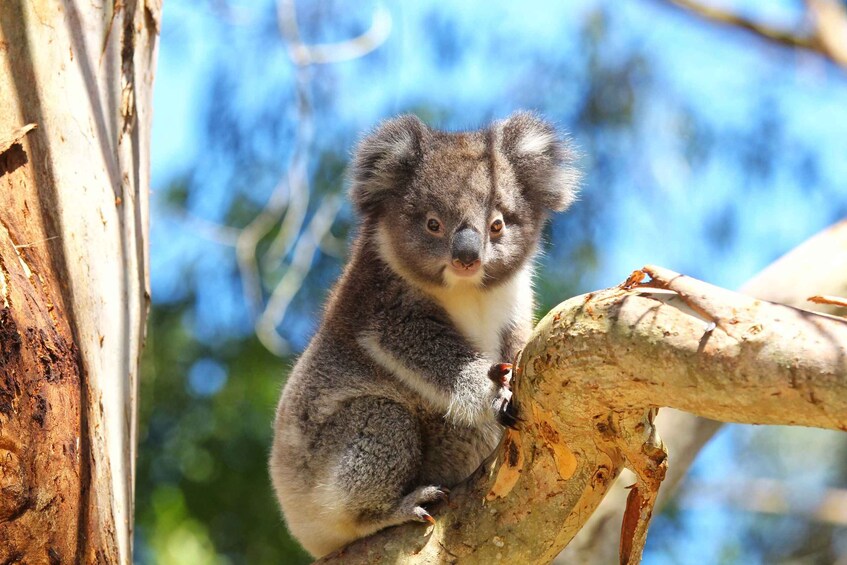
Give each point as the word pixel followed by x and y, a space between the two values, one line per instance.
pixel 817 266
pixel 73 272
pixel 588 384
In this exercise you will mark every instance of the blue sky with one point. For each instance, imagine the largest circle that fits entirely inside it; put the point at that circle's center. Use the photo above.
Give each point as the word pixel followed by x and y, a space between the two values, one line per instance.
pixel 664 217
pixel 720 75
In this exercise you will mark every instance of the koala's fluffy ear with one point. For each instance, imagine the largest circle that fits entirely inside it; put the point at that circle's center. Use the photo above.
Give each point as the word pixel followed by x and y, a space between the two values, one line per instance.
pixel 541 159
pixel 385 159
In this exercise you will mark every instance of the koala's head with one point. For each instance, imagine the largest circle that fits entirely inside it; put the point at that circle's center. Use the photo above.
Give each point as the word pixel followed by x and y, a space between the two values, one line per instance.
pixel 461 208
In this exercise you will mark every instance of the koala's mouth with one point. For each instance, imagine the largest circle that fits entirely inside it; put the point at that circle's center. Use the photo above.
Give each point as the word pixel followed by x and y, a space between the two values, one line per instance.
pixel 465 270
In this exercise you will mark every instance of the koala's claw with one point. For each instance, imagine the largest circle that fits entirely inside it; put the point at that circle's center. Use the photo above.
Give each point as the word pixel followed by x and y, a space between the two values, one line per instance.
pixel 425 495
pixel 507 414
pixel 443 494
pixel 504 408
pixel 430 494
pixel 423 516
pixel 501 374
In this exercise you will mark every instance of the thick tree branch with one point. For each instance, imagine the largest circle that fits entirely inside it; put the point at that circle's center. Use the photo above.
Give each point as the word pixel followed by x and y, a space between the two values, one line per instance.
pixel 817 266
pixel 587 385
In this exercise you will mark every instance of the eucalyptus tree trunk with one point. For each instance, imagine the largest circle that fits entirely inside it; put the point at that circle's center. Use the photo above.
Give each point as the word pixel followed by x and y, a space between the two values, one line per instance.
pixel 75 98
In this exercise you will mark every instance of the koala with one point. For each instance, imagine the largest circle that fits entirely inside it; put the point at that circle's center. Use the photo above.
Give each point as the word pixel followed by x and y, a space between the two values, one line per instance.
pixel 402 392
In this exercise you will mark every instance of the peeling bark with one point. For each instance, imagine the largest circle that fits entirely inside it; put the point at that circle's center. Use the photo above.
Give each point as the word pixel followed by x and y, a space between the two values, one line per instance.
pixel 588 384
pixel 73 274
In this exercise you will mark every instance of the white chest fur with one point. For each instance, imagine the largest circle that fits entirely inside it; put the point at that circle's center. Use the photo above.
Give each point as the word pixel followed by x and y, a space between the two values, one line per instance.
pixel 482 314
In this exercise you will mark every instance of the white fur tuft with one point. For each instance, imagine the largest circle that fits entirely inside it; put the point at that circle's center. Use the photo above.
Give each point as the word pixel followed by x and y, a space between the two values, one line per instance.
pixel 398 145
pixel 535 141
pixel 481 314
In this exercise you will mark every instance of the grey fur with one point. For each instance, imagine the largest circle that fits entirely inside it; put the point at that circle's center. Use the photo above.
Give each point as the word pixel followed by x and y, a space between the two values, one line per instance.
pixel 391 400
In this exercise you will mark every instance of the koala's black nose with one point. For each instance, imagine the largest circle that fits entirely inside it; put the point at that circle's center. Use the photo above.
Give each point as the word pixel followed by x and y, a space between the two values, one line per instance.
pixel 466 246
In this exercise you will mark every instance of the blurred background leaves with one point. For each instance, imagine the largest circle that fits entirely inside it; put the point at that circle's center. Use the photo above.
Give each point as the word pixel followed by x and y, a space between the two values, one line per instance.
pixel 706 149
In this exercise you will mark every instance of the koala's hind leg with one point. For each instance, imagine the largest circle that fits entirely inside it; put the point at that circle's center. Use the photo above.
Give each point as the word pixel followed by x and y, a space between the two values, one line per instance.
pixel 379 466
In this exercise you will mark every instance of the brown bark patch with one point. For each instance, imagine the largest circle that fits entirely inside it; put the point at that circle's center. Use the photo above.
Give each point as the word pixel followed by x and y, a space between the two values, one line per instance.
pixel 564 458
pixel 10 351
pixel 510 471
pixel 12 159
pixel 12 154
pixel 14 490
pixel 40 469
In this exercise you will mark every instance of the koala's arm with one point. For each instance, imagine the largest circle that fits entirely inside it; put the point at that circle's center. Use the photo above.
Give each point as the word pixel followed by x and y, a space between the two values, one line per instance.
pixel 428 354
pixel 514 339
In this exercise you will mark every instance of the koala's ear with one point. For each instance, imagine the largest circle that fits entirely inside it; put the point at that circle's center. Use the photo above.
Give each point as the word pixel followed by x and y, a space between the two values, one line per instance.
pixel 541 159
pixel 385 159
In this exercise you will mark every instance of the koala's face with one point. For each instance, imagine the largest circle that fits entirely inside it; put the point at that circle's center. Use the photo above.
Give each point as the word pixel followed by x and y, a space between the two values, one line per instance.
pixel 460 219
pixel 463 208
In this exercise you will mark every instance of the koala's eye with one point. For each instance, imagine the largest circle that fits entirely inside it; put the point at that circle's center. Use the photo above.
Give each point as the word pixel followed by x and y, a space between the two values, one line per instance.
pixel 433 225
pixel 496 226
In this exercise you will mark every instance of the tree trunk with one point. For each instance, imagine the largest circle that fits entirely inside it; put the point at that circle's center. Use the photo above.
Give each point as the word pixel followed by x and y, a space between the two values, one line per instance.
pixel 75 100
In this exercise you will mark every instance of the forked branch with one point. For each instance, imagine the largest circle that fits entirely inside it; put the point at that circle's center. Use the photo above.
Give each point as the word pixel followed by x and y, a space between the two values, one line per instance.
pixel 587 387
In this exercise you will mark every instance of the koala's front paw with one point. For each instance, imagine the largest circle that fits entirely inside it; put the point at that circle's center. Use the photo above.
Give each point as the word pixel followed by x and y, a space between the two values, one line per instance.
pixel 507 414
pixel 501 374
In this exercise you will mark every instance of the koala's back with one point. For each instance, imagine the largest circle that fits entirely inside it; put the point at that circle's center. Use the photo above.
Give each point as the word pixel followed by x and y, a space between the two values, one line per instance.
pixel 313 423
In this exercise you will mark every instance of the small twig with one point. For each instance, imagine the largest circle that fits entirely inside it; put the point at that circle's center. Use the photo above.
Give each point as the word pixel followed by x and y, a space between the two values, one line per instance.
pixel 16 136
pixel 832 300
pixel 321 54
pixel 726 17
pixel 217 233
pixel 34 243
pixel 291 282
pixel 298 170
pixel 291 198
pixel 248 240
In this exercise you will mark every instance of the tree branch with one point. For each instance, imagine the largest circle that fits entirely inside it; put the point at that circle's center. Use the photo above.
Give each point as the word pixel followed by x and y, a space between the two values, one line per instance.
pixel 827 37
pixel 817 266
pixel 587 385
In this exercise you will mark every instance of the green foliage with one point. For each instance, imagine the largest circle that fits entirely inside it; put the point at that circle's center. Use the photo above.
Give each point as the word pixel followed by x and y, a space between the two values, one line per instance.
pixel 204 492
